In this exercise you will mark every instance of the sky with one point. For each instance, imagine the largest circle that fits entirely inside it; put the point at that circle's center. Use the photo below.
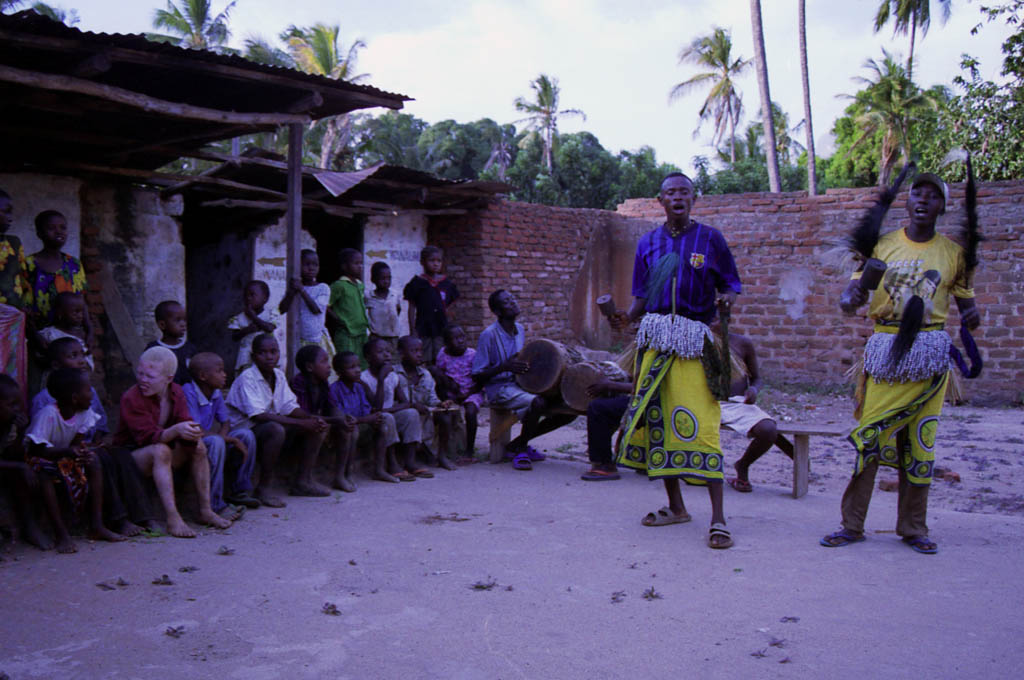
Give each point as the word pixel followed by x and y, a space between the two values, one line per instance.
pixel 614 60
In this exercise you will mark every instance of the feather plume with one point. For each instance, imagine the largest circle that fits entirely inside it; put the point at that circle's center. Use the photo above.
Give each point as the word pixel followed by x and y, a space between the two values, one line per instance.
pixel 971 234
pixel 864 237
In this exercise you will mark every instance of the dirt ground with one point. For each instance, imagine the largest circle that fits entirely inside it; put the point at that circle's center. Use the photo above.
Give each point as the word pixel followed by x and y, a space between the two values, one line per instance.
pixel 487 572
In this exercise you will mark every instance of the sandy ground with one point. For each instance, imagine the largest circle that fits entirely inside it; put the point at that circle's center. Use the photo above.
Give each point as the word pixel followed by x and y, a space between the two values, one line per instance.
pixel 487 572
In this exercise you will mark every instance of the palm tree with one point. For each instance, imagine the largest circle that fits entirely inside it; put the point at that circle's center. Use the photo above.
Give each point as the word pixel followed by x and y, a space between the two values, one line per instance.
pixel 906 16
pixel 6 5
pixel 543 113
pixel 757 29
pixel 193 25
pixel 812 169
pixel 723 103
pixel 316 49
pixel 891 103
pixel 259 49
pixel 64 16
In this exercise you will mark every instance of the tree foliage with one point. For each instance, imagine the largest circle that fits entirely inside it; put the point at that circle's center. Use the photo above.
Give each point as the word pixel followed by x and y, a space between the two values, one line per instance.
pixel 192 23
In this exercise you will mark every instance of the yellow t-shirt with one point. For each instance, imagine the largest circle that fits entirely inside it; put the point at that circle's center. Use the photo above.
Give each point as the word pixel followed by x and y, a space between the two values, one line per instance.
pixel 933 270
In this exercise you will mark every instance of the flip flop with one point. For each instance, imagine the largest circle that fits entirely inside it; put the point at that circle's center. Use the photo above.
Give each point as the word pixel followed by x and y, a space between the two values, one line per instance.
pixel 404 476
pixel 522 462
pixel 718 529
pixel 838 539
pixel 741 485
pixel 664 517
pixel 598 475
pixel 921 544
pixel 534 454
pixel 425 474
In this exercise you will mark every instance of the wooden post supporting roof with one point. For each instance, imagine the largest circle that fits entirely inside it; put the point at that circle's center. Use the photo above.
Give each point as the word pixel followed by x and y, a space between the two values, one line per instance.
pixel 293 223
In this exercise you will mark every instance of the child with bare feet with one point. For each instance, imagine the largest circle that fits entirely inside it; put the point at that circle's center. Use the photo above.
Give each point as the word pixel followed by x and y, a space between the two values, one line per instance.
pixel 423 395
pixel 68 322
pixel 261 399
pixel 313 300
pixel 388 394
pixel 173 324
pixel 157 425
pixel 255 319
pixel 56 451
pixel 27 494
pixel 383 305
pixel 227 448
pixel 360 426
pixel 455 362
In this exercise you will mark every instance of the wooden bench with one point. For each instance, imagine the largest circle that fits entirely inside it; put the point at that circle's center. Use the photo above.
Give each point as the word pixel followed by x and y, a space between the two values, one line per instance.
pixel 801 433
pixel 501 422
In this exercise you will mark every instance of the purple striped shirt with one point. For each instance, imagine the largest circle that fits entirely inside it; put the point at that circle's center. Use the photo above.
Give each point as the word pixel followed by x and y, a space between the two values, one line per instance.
pixel 705 268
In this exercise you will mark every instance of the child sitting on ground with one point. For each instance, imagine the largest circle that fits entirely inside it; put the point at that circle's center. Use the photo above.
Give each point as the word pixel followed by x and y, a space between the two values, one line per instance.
pixel 227 449
pixel 347 307
pixel 68 322
pixel 313 306
pixel 387 394
pixel 255 319
pixel 55 449
pixel 261 400
pixel 455 362
pixel 431 296
pixel 173 324
pixel 359 424
pixel 423 395
pixel 27 495
pixel 383 306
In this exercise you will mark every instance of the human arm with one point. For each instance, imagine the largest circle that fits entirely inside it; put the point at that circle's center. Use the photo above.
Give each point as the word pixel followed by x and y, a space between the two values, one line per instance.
pixel 969 315
pixel 404 401
pixel 621 320
pixel 853 298
pixel 604 387
pixel 749 356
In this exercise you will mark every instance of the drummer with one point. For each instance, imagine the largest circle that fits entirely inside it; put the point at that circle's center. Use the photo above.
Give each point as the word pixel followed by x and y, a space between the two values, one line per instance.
pixel 495 367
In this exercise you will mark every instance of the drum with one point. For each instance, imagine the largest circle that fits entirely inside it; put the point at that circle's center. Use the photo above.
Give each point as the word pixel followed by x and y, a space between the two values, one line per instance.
pixel 547 360
pixel 579 377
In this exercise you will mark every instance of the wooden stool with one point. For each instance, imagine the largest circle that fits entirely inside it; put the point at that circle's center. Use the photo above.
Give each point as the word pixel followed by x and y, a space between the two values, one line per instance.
pixel 802 448
pixel 501 422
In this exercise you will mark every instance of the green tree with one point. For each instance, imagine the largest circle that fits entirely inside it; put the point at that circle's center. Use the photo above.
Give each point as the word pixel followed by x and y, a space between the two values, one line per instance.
pixel 391 138
pixel 544 113
pixel 65 16
pixel 640 174
pixel 259 49
pixel 906 17
pixel 723 103
pixel 193 25
pixel 8 5
pixel 766 98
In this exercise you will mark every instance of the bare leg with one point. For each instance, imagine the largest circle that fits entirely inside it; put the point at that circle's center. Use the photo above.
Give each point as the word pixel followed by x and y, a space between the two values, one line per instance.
pixel 305 485
pixel 471 426
pixel 346 445
pixel 675 497
pixel 200 465
pixel 60 531
pixel 533 426
pixel 443 422
pixel 155 461
pixel 270 439
pixel 94 473
pixel 762 436
pixel 382 458
pixel 23 496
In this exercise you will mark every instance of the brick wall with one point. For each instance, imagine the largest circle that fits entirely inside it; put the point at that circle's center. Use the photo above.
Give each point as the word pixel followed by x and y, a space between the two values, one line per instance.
pixel 784 243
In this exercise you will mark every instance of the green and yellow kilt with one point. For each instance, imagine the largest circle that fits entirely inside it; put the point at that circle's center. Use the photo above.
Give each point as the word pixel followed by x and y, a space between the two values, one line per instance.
pixel 672 422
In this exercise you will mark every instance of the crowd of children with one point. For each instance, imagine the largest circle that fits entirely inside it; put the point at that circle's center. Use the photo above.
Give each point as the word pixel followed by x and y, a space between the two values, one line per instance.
pixel 361 389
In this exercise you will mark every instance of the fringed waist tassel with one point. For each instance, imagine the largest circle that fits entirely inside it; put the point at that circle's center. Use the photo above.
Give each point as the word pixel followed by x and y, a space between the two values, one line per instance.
pixel 675 334
pixel 927 357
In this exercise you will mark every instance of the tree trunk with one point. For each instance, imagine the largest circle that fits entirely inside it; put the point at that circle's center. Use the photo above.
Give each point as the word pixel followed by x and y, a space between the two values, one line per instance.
pixel 549 141
pixel 913 35
pixel 812 169
pixel 732 135
pixel 327 143
pixel 766 100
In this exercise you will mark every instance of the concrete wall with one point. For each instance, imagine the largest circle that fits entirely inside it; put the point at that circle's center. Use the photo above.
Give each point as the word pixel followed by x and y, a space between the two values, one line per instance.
pixel 32 194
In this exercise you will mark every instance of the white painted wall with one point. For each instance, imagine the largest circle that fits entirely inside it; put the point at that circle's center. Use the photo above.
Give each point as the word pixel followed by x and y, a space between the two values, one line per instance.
pixel 396 240
pixel 32 194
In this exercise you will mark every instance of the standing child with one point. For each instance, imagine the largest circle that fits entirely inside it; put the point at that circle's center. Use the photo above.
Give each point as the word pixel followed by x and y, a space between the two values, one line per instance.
pixel 348 398
pixel 455 361
pixel 54 443
pixel 383 305
pixel 388 395
pixel 430 297
pixel 313 308
pixel 423 395
pixel 173 324
pixel 347 307
pixel 68 322
pixel 226 448
pixel 51 272
pixel 13 293
pixel 255 319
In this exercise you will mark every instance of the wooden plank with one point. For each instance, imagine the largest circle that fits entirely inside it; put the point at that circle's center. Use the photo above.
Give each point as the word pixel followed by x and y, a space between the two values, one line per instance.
pixel 120 318
pixel 821 429
pixel 293 223
pixel 500 423
pixel 164 177
pixel 801 464
pixel 282 206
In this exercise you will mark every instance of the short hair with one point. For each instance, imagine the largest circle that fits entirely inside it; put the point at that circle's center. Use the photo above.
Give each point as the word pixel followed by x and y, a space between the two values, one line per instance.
pixel 449 331
pixel 492 299
pixel 203 361
pixel 262 285
pixel 62 383
pixel 58 347
pixel 162 357
pixel 64 297
pixel 44 216
pixel 338 362
pixel 306 355
pixel 164 309
pixel 8 383
pixel 670 176
pixel 371 343
pixel 429 251
pixel 347 255
pixel 377 268
pixel 307 252
pixel 261 340
pixel 405 341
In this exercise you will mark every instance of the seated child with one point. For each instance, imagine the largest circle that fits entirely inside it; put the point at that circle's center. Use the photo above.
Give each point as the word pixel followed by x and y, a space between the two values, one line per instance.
pixel 67 352
pixel 68 322
pixel 383 306
pixel 55 450
pixel 455 362
pixel 387 394
pixel 157 426
pixel 27 495
pixel 173 324
pixel 255 319
pixel 430 297
pixel 313 305
pixel 261 400
pixel 347 307
pixel 423 395
pixel 358 423
pixel 224 445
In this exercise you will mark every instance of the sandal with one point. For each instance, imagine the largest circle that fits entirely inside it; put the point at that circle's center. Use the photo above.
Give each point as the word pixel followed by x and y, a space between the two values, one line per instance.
pixel 534 454
pixel 838 539
pixel 425 474
pixel 664 517
pixel 718 530
pixel 404 476
pixel 741 485
pixel 921 544
pixel 599 475
pixel 521 461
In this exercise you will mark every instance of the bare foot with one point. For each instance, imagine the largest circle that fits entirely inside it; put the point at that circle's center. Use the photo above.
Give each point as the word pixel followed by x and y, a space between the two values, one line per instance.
pixel 176 527
pixel 65 545
pixel 129 529
pixel 382 476
pixel 344 484
pixel 34 535
pixel 104 534
pixel 443 461
pixel 268 499
pixel 214 520
pixel 151 525
pixel 232 513
pixel 311 489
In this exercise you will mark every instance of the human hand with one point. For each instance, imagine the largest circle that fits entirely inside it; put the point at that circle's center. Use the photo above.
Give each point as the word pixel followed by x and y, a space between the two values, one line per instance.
pixel 377 419
pixel 386 370
pixel 853 298
pixel 516 366
pixel 750 396
pixel 188 430
pixel 29 477
pixel 725 303
pixel 319 424
pixel 238 444
pixel 447 404
pixel 85 456
pixel 422 409
pixel 295 285
pixel 20 420
pixel 348 422
pixel 598 389
pixel 619 320
pixel 970 318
